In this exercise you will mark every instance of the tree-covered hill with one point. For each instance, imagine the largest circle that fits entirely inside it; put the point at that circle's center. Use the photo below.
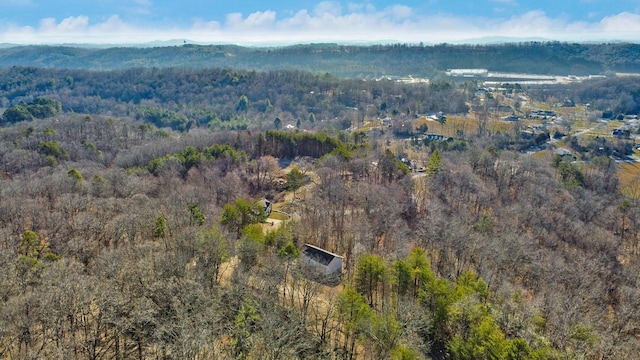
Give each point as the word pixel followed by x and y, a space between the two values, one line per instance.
pixel 181 98
pixel 175 97
pixel 132 225
pixel 124 241
pixel 345 60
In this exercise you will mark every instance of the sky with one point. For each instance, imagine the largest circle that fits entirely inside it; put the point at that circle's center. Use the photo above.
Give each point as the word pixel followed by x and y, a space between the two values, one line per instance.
pixel 257 22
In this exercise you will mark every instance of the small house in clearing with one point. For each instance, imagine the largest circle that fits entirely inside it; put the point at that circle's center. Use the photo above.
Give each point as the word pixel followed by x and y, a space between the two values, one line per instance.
pixel 266 205
pixel 328 263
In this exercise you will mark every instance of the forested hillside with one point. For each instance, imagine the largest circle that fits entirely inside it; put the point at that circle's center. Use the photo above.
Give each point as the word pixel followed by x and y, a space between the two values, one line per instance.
pixel 226 99
pixel 346 61
pixel 133 222
pixel 233 99
pixel 615 96
pixel 123 241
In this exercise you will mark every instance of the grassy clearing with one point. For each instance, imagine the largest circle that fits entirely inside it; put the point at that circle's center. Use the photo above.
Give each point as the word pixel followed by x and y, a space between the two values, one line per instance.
pixel 598 133
pixel 371 125
pixel 278 216
pixel 468 125
pixel 499 126
pixel 628 172
pixel 541 155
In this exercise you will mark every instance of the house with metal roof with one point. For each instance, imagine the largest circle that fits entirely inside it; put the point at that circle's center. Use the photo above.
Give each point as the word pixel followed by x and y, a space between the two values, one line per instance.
pixel 327 262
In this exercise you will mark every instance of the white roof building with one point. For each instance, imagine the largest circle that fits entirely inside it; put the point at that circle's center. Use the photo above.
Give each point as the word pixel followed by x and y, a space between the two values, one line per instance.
pixel 468 72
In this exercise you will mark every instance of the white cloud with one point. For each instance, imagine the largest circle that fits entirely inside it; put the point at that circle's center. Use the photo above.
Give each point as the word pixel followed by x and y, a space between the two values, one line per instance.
pixel 623 22
pixel 234 19
pixel 69 25
pixel 354 7
pixel 113 24
pixel 328 8
pixel 300 19
pixel 329 21
pixel 624 26
pixel 400 11
pixel 72 24
pixel 201 25
pixel 72 29
pixel 532 22
pixel 260 19
pixel 255 20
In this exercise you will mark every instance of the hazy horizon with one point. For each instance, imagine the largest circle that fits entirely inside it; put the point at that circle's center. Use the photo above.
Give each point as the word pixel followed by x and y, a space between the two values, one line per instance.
pixel 243 22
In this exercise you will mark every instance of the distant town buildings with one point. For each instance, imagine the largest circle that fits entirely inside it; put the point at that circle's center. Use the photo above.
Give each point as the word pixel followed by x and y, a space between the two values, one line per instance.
pixel 468 72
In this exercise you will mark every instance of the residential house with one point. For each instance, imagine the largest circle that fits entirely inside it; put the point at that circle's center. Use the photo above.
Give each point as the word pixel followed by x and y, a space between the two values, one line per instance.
pixel 267 206
pixel 327 262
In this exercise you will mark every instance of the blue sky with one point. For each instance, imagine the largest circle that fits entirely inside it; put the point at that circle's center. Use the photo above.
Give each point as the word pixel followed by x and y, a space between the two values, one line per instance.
pixel 301 21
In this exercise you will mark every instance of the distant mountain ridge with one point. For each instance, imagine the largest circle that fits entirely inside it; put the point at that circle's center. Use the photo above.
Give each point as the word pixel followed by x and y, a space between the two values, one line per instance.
pixel 355 61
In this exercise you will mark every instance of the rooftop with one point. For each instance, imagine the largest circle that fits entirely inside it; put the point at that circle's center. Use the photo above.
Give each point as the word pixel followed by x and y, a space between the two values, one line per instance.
pixel 322 256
